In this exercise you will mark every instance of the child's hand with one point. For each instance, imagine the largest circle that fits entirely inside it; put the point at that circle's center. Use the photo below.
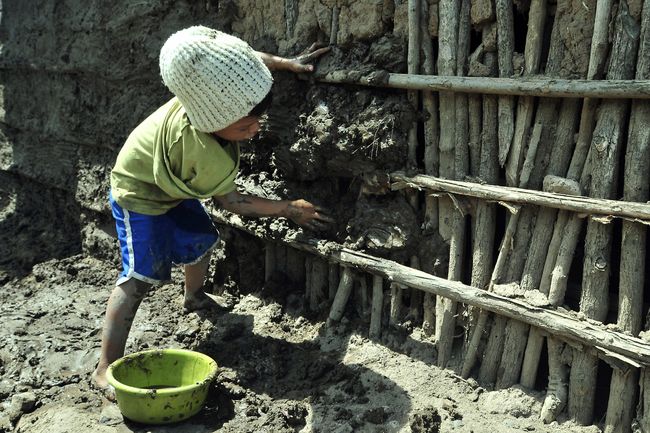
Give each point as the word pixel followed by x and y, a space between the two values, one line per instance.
pixel 307 215
pixel 300 64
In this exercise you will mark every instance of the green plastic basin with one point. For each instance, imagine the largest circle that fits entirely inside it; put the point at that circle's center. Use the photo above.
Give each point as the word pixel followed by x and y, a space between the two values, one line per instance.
pixel 161 386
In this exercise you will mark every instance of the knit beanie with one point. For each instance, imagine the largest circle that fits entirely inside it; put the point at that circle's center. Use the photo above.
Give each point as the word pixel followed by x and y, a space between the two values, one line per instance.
pixel 217 77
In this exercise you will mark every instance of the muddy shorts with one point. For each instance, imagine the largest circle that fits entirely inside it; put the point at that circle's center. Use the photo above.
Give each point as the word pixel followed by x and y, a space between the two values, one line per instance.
pixel 151 244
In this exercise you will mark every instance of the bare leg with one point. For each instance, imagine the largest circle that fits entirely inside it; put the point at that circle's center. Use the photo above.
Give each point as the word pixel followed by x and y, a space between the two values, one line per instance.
pixel 195 297
pixel 122 306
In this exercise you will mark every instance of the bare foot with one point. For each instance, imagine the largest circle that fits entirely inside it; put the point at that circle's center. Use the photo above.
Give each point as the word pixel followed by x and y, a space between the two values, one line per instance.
pixel 199 301
pixel 99 383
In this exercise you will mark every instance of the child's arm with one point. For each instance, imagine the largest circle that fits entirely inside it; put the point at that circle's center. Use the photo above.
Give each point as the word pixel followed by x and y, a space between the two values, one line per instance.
pixel 300 211
pixel 298 64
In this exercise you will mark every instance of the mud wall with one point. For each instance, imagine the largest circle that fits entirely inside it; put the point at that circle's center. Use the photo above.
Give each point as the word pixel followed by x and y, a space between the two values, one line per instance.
pixel 78 76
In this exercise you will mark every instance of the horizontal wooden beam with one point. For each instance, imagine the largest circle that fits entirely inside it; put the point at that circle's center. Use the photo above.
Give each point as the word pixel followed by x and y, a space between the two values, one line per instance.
pixel 634 211
pixel 556 323
pixel 527 86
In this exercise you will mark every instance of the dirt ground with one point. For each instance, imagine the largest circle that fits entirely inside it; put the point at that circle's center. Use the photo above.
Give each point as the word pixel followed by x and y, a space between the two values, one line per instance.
pixel 281 369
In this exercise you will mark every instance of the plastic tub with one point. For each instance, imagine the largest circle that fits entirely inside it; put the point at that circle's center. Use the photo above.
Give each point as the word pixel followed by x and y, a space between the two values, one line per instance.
pixel 161 386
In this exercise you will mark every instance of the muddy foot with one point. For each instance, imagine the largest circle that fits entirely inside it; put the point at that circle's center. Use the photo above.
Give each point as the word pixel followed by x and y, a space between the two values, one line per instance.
pixel 99 384
pixel 199 301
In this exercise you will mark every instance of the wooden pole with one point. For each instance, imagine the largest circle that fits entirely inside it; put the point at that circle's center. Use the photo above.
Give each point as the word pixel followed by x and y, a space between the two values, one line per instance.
pixel 461 160
pixel 526 104
pixel 342 295
pixel 413 66
pixel 506 43
pixel 333 280
pixel 319 282
pixel 377 307
pixel 525 86
pixel 606 147
pixel 269 260
pixel 484 150
pixel 448 11
pixel 431 157
pixel 295 266
pixel 609 344
pixel 606 208
pixel 334 30
pixel 624 384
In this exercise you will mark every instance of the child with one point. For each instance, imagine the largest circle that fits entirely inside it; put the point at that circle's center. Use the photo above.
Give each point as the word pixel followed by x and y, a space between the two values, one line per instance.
pixel 183 152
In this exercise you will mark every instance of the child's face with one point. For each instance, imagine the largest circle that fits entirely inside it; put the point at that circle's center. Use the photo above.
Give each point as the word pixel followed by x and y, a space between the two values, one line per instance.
pixel 243 129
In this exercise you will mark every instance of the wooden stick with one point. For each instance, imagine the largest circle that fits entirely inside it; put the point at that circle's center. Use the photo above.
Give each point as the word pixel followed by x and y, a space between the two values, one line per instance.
pixel 461 160
pixel 624 385
pixel 319 281
pixel 269 260
pixel 395 304
pixel 606 146
pixel 557 392
pixel 334 30
pixel 526 104
pixel 333 280
pixel 525 86
pixel 431 156
pixel 295 266
pixel 584 205
pixel 628 349
pixel 413 66
pixel 644 398
pixel 281 258
pixel 342 295
pixel 448 11
pixel 377 307
pixel 430 107
pixel 506 41
pixel 484 149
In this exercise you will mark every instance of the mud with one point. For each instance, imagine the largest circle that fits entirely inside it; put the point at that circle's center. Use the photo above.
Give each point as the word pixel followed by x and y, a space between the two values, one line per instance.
pixel 76 77
pixel 280 368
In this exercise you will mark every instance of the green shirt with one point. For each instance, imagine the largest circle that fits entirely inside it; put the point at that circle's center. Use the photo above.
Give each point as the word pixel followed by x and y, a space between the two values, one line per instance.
pixel 165 160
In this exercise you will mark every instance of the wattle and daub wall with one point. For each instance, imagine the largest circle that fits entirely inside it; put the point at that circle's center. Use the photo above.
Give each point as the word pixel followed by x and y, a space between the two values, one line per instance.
pixel 77 76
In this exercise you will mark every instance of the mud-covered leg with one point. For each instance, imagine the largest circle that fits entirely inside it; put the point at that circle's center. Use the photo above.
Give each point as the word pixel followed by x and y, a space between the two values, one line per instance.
pixel 195 297
pixel 120 311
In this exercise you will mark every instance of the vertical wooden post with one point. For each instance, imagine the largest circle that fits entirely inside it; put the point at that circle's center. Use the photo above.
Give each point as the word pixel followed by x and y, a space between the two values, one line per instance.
pixel 269 261
pixel 377 307
pixel 295 266
pixel 431 130
pixel 605 152
pixel 395 304
pixel 333 280
pixel 461 165
pixel 342 295
pixel 447 45
pixel 319 281
pixel 624 385
pixel 506 41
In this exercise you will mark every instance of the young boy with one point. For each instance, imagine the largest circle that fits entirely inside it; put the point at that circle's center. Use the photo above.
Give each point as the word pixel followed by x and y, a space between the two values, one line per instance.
pixel 183 152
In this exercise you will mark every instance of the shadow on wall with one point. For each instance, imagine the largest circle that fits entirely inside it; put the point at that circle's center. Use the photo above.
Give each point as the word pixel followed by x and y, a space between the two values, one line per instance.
pixel 39 218
pixel 74 80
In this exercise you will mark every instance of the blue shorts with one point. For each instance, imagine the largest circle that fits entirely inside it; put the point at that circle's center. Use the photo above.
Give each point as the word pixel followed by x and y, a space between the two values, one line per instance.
pixel 150 244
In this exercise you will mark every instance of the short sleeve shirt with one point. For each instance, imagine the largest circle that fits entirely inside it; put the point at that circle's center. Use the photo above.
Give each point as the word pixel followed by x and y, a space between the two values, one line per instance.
pixel 166 160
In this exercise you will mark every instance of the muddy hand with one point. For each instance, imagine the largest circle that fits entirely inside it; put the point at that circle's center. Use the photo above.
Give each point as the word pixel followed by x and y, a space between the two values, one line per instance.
pixel 308 215
pixel 300 63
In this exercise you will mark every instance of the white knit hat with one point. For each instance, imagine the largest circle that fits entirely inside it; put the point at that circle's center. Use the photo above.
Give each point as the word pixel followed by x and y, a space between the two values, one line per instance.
pixel 218 78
